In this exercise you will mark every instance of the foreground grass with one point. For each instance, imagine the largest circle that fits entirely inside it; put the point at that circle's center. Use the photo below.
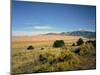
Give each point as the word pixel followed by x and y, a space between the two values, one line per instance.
pixel 52 59
pixel 45 58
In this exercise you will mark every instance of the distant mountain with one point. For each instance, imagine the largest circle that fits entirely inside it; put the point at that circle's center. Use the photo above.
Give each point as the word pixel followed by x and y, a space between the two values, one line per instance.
pixel 88 34
pixel 52 34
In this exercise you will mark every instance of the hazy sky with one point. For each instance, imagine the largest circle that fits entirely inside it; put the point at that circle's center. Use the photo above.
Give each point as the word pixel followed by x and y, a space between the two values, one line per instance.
pixel 30 18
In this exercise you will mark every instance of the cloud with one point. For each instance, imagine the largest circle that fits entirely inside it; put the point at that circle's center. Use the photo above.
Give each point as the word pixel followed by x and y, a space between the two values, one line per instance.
pixel 42 27
pixel 37 27
pixel 30 33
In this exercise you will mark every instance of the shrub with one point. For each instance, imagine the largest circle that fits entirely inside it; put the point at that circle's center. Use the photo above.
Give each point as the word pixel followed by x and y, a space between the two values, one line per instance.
pixel 91 41
pixel 80 41
pixel 87 49
pixel 74 61
pixel 65 56
pixel 30 47
pixel 42 59
pixel 94 43
pixel 51 60
pixel 70 57
pixel 73 44
pixel 42 48
pixel 50 69
pixel 58 43
pixel 63 66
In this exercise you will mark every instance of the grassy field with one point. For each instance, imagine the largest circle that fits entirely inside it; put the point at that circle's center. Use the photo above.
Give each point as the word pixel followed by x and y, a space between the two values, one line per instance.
pixel 45 58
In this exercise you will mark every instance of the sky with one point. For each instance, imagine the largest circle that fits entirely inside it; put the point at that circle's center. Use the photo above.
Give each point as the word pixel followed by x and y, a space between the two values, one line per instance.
pixel 32 18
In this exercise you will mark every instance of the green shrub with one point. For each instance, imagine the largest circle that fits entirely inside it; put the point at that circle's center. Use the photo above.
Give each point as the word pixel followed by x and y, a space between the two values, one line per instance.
pixel 80 41
pixel 58 43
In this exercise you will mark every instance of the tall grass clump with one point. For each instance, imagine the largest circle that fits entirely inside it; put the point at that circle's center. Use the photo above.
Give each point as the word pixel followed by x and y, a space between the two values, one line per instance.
pixel 87 49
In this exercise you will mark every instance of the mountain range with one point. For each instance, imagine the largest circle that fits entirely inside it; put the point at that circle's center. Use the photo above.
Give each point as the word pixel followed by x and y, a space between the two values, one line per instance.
pixel 88 34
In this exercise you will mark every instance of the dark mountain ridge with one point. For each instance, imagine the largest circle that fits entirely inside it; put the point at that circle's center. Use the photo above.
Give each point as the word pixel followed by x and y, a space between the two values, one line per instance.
pixel 87 34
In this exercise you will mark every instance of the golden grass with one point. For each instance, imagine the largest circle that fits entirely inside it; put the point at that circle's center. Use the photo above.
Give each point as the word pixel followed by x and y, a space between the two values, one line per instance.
pixel 56 59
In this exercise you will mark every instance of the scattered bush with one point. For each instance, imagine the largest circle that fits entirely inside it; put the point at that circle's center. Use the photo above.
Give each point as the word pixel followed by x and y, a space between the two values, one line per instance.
pixel 74 61
pixel 89 41
pixel 58 43
pixel 87 49
pixel 51 60
pixel 62 66
pixel 42 48
pixel 73 44
pixel 30 47
pixel 50 69
pixel 42 59
pixel 65 56
pixel 80 41
pixel 92 41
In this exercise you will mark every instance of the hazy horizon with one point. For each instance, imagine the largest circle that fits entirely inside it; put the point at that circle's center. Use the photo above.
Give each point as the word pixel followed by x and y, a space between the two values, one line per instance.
pixel 34 18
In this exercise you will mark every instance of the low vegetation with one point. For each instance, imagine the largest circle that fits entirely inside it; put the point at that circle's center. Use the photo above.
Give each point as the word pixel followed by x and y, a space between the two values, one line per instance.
pixel 60 57
pixel 30 47
pixel 58 43
pixel 80 42
pixel 73 44
pixel 93 42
